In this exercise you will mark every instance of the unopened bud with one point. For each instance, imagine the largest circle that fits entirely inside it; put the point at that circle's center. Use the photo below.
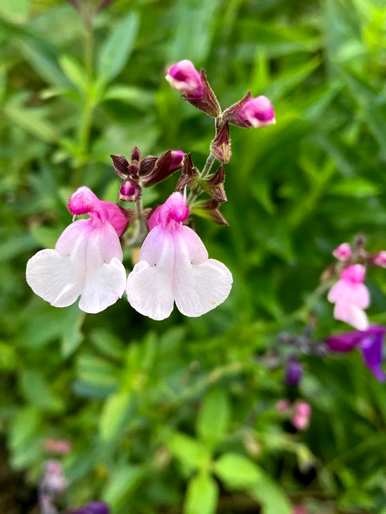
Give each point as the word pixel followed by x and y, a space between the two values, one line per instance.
pixel 342 252
pixel 380 259
pixel 194 86
pixel 184 77
pixel 251 112
pixel 129 191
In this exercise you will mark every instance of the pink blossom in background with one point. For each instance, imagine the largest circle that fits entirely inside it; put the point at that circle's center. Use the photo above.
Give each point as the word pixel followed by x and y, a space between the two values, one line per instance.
pixel 302 415
pixel 87 260
pixel 174 267
pixel 380 259
pixel 184 77
pixel 351 296
pixel 342 252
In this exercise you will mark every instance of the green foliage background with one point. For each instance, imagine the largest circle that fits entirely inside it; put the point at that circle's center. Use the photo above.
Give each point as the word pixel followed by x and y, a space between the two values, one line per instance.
pixel 180 415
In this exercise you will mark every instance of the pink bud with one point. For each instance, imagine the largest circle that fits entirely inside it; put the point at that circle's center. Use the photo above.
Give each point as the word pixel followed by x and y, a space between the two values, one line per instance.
pixel 355 274
pixel 342 252
pixel 129 191
pixel 251 112
pixel 184 77
pixel 177 159
pixel 380 259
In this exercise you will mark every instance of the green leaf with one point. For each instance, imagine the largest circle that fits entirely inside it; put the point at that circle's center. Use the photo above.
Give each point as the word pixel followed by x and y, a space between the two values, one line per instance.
pixel 38 392
pixel 134 96
pixel 202 495
pixel 122 483
pixel 15 10
pixel 271 496
pixel 74 72
pixel 237 471
pixel 117 48
pixel 113 415
pixel 191 453
pixel 193 30
pixel 214 415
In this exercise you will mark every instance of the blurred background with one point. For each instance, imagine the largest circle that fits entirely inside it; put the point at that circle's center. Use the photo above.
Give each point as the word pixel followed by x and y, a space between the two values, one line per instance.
pixel 181 415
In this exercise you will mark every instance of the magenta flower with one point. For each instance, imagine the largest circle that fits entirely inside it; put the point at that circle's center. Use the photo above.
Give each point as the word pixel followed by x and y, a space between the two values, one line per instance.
pixel 87 260
pixel 342 252
pixel 369 342
pixel 184 77
pixel 351 297
pixel 251 112
pixel 174 267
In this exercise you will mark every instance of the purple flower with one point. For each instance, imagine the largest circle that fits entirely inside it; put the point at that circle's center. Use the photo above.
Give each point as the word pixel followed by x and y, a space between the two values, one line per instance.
pixel 293 372
pixel 369 341
pixel 93 508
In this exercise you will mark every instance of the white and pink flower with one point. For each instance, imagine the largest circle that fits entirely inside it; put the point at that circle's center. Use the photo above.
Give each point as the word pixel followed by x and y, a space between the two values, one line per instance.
pixel 351 296
pixel 174 267
pixel 87 260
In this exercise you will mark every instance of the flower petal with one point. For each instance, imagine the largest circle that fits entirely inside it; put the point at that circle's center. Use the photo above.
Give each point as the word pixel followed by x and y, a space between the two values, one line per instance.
pixel 103 287
pixel 53 277
pixel 149 285
pixel 372 351
pixel 352 315
pixel 201 287
pixel 105 279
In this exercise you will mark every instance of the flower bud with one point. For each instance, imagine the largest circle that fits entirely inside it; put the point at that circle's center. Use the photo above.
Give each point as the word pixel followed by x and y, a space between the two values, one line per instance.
pixel 380 259
pixel 251 112
pixel 184 77
pixel 129 191
pixel 177 157
pixel 342 252
pixel 194 86
pixel 293 372
pixel 221 144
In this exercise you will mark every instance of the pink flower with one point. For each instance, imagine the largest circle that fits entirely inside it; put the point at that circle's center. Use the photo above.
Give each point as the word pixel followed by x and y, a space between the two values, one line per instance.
pixel 351 297
pixel 342 252
pixel 302 415
pixel 184 77
pixel 87 260
pixel 251 112
pixel 380 259
pixel 174 267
